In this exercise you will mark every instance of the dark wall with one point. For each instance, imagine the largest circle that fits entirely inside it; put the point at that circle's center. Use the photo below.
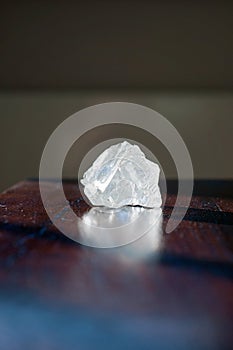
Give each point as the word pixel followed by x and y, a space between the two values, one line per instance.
pixel 57 57
pixel 77 44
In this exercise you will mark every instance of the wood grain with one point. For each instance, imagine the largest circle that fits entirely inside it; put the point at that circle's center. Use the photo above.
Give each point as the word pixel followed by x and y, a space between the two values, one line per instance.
pixel 180 295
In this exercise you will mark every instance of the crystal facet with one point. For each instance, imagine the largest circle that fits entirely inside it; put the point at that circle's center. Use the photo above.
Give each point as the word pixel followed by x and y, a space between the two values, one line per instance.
pixel 122 175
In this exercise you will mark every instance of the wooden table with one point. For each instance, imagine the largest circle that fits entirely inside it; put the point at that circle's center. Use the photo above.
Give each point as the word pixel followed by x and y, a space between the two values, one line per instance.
pixel 57 294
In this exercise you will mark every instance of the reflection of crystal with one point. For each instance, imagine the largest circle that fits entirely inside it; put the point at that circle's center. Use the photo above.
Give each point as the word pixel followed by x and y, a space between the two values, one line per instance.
pixel 121 176
pixel 107 228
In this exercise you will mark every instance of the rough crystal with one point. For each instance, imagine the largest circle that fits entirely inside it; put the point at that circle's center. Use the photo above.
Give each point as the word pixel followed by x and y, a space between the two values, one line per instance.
pixel 122 175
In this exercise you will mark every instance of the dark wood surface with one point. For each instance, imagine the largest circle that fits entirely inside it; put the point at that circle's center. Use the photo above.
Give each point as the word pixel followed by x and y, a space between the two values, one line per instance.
pixel 57 294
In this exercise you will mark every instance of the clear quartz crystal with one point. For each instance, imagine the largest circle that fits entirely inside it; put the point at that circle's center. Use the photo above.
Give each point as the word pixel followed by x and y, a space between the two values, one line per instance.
pixel 120 176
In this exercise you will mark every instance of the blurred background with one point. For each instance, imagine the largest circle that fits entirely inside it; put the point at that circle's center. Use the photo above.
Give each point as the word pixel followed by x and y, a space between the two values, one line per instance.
pixel 57 57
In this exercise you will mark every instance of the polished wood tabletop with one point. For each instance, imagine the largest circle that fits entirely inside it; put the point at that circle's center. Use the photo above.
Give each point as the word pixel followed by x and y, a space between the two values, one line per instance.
pixel 172 291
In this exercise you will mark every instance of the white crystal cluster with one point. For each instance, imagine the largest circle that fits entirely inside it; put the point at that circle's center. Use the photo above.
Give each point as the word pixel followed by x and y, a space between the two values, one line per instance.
pixel 120 176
